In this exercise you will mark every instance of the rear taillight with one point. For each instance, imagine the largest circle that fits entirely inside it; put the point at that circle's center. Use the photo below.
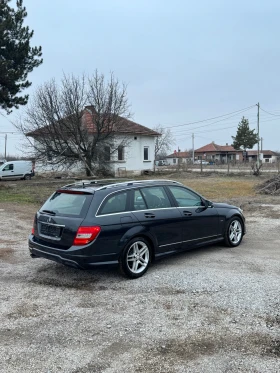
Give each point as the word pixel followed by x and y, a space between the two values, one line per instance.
pixel 86 235
pixel 33 228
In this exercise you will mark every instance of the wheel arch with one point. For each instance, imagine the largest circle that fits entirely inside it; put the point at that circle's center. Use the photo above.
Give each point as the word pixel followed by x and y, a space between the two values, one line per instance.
pixel 140 234
pixel 235 215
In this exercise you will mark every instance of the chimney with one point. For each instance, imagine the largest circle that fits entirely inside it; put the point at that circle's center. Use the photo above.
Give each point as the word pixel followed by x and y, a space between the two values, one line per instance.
pixel 226 144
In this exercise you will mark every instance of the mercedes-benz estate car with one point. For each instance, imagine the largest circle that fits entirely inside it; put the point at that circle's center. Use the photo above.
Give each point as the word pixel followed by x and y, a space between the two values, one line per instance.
pixel 129 223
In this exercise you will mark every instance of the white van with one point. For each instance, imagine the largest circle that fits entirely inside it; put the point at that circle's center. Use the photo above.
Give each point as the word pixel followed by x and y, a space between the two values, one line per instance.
pixel 16 170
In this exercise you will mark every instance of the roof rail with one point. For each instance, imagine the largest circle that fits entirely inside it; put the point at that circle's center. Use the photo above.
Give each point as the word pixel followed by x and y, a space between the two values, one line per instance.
pixel 91 182
pixel 111 183
pixel 132 182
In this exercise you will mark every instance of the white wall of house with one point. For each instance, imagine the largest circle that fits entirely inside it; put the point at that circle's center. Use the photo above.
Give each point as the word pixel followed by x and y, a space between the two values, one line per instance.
pixel 172 161
pixel 138 154
pixel 268 159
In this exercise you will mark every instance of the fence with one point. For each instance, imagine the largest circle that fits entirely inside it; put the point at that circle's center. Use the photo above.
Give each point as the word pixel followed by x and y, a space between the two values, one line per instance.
pixel 229 168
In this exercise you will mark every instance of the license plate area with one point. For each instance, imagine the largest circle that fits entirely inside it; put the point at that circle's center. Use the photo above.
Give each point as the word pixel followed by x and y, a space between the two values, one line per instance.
pixel 52 231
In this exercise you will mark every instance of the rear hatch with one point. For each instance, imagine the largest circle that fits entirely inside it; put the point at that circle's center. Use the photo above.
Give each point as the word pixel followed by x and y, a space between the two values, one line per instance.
pixel 58 220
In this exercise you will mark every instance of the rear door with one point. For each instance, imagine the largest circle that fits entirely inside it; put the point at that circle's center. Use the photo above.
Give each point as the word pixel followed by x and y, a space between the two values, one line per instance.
pixel 117 223
pixel 154 210
pixel 199 224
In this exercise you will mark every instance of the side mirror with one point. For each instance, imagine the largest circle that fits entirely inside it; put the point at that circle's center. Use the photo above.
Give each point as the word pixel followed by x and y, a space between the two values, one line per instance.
pixel 208 203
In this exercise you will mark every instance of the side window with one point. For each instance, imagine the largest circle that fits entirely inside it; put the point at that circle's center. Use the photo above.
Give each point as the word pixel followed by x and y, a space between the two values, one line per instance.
pixel 138 201
pixel 114 204
pixel 185 197
pixel 155 197
pixel 9 167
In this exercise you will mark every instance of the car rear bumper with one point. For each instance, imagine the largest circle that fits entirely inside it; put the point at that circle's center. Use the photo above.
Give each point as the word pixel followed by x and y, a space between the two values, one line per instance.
pixel 73 259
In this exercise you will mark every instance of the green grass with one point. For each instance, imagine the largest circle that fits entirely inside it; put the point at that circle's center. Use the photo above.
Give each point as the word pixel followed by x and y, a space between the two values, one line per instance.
pixel 214 188
pixel 28 192
pixel 222 188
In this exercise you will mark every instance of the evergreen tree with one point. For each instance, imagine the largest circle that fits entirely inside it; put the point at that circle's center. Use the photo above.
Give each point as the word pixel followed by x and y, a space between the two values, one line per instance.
pixel 17 57
pixel 245 138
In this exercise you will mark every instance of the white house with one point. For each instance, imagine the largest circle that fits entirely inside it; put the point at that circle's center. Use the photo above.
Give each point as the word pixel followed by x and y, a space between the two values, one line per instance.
pixel 178 158
pixel 266 156
pixel 133 148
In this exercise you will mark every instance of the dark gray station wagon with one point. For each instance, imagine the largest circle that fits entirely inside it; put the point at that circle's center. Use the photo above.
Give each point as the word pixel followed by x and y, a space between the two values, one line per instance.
pixel 129 223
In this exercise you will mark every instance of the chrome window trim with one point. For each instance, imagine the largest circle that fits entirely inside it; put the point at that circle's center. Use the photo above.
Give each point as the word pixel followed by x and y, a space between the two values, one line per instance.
pixel 127 190
pixel 56 225
pixel 132 211
pixel 114 192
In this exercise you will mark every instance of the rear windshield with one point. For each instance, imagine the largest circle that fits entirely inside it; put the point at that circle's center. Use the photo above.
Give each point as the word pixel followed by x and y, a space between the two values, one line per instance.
pixel 67 204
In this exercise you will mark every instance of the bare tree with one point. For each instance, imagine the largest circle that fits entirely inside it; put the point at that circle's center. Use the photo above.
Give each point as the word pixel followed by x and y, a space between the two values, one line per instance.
pixel 163 143
pixel 76 120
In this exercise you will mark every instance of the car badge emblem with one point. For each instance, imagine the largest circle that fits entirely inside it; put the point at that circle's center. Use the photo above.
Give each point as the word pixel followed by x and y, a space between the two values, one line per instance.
pixel 49 220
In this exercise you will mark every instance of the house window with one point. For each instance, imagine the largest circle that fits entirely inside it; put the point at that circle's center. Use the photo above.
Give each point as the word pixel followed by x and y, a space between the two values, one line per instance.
pixel 267 160
pixel 121 153
pixel 49 154
pixel 174 160
pixel 107 154
pixel 146 153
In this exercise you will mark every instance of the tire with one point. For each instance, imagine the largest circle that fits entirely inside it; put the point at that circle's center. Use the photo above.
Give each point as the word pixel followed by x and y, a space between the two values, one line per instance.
pixel 234 232
pixel 27 177
pixel 136 258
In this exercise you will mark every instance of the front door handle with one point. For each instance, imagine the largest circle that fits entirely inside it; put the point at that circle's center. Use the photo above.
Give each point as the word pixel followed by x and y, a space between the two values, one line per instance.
pixel 149 215
pixel 187 213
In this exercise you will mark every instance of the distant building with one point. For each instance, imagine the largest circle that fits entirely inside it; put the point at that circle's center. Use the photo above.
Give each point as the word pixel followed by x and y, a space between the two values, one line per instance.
pixel 226 153
pixel 178 158
pixel 266 156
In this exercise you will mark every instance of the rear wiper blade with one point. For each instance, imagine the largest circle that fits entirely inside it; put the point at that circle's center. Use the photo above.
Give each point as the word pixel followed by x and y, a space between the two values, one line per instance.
pixel 49 212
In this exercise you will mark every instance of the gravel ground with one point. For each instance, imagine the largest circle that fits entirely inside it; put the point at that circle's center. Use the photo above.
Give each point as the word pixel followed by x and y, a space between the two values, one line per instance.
pixel 210 310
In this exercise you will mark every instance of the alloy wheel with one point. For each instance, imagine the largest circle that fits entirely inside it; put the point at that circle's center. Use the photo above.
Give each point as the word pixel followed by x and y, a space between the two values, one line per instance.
pixel 137 257
pixel 235 232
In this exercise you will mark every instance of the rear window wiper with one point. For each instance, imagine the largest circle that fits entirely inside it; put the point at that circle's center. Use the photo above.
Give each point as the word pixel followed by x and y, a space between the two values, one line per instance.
pixel 49 212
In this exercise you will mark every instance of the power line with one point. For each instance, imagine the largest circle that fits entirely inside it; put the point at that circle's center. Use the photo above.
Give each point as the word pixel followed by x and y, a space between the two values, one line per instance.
pixel 215 130
pixel 177 132
pixel 276 115
pixel 206 120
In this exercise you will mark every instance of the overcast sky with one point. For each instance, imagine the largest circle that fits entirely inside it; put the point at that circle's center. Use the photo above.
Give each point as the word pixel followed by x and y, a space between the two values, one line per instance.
pixel 184 61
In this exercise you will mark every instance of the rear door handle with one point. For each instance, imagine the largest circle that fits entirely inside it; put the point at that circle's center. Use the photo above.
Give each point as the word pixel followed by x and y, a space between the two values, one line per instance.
pixel 187 213
pixel 149 215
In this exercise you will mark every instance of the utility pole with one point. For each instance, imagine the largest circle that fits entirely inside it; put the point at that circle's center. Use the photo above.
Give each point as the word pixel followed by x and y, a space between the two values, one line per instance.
pixel 193 148
pixel 261 144
pixel 258 156
pixel 6 145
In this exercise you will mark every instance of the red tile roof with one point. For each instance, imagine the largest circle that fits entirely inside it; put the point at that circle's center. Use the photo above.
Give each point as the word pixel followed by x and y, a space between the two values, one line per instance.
pixel 179 155
pixel 265 152
pixel 212 147
pixel 123 126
